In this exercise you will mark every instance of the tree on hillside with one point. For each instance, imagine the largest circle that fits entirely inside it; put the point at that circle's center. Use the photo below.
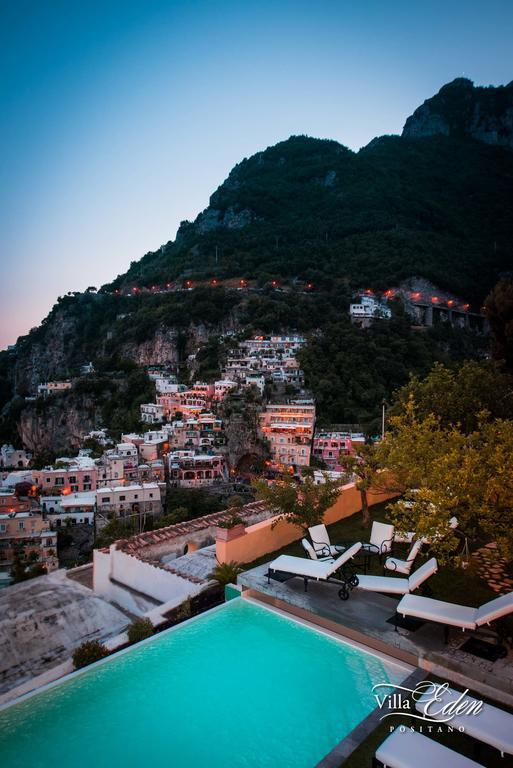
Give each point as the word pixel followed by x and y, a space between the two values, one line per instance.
pixel 457 396
pixel 444 472
pixel 302 504
pixel 365 467
pixel 499 311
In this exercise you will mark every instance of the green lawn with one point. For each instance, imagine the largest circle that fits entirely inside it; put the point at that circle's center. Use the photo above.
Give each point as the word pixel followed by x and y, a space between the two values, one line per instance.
pixel 451 584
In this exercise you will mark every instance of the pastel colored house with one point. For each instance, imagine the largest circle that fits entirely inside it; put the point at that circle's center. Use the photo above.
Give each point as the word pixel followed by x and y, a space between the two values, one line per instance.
pixel 328 446
pixel 127 500
pixel 75 476
pixel 288 429
pixel 26 533
pixel 188 469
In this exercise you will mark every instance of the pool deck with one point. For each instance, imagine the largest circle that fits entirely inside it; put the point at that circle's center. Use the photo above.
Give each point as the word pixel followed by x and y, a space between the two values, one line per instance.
pixel 363 618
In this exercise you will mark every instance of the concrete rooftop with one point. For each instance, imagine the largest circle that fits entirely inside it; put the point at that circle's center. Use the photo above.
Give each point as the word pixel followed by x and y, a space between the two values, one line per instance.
pixel 44 619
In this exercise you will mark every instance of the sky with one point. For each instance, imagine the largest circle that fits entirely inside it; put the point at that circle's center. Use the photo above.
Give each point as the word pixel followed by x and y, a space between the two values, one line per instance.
pixel 119 118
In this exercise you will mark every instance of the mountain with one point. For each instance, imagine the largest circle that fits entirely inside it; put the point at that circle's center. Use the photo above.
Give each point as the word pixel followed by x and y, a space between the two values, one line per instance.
pixel 434 203
pixel 462 109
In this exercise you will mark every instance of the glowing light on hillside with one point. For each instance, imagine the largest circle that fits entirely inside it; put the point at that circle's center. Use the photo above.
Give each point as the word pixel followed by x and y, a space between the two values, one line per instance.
pixel 450 302
pixel 214 281
pixel 416 295
pixel 274 283
pixel 466 307
pixel 188 283
pixel 242 283
pixel 309 286
pixel 434 299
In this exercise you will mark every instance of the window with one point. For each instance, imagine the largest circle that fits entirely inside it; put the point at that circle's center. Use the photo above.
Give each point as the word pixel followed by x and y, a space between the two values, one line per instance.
pixel 87 486
pixel 151 495
pixel 74 488
pixel 59 481
pixel 72 479
pixel 122 498
pixel 21 525
pixel 136 495
pixel 3 527
pixel 105 499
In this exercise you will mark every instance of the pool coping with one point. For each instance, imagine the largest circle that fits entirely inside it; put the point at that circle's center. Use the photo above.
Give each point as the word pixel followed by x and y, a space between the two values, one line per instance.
pixel 346 746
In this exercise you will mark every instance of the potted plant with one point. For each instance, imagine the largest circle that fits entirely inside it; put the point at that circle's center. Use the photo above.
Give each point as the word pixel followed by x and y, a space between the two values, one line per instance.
pixel 231 528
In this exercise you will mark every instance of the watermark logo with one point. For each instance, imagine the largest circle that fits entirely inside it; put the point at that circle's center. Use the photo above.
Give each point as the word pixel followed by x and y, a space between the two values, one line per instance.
pixel 428 702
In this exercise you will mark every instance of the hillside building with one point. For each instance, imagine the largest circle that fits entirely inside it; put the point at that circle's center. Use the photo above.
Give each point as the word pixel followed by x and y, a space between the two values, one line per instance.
pixel 288 429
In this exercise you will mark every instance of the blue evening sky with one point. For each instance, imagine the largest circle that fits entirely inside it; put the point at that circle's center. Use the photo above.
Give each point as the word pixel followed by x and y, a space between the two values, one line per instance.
pixel 119 118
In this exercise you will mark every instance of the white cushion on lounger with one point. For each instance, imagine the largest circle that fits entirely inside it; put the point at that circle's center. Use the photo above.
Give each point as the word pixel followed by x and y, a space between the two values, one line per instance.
pixel 408 749
pixel 429 568
pixel 321 541
pixel 491 725
pixel 398 586
pixel 310 551
pixel 436 610
pixel 383 584
pixel 313 569
pixel 494 609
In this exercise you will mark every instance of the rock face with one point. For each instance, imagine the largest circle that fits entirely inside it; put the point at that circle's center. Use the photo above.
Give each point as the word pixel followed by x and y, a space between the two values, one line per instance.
pixel 42 359
pixel 212 218
pixel 59 422
pixel 161 349
pixel 462 109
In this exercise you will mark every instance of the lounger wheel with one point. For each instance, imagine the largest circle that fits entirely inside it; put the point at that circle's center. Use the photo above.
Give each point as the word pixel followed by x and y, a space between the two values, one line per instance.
pixel 343 592
pixel 354 581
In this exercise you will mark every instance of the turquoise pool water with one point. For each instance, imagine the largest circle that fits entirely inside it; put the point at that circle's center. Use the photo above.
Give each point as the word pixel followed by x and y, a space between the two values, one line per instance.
pixel 241 686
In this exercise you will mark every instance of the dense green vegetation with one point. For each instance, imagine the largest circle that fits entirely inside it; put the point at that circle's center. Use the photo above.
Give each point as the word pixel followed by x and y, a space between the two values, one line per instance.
pixel 437 207
pixel 351 371
pixel 320 221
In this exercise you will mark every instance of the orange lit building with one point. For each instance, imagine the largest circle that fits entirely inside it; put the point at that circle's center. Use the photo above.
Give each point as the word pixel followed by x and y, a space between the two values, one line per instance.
pixel 25 532
pixel 288 429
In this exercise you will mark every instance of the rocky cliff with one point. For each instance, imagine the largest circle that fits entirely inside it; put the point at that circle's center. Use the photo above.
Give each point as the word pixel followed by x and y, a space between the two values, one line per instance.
pixel 58 423
pixel 462 109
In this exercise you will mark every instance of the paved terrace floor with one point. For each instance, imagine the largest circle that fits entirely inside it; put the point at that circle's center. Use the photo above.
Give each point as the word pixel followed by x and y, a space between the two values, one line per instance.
pixel 364 618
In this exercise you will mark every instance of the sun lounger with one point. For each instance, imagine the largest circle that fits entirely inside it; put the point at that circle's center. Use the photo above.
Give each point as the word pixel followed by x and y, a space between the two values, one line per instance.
pixel 321 542
pixel 454 615
pixel 336 571
pixel 492 726
pixel 394 586
pixel 404 566
pixel 409 749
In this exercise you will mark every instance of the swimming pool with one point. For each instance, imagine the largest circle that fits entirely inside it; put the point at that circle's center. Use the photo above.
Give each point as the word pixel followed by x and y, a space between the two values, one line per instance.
pixel 240 685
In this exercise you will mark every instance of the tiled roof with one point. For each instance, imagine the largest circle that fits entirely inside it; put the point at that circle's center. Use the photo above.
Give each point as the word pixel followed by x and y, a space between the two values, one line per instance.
pixel 137 543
